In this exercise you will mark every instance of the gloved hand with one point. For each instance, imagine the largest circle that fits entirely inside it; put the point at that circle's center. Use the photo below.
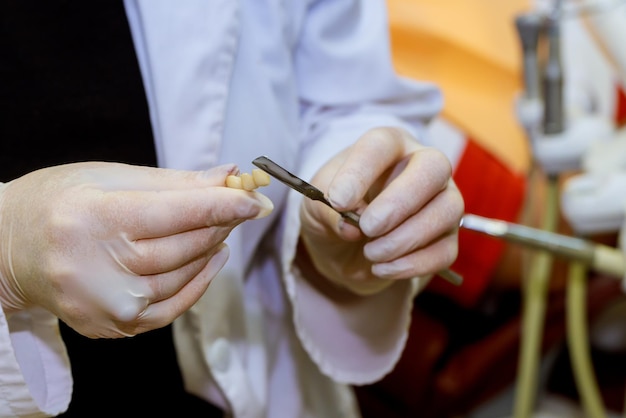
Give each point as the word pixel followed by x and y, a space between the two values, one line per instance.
pixel 594 203
pixel 116 250
pixel 558 153
pixel 410 212
pixel 593 200
pixel 607 157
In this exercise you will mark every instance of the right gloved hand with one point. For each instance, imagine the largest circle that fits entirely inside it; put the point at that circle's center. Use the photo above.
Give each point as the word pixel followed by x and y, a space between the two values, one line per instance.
pixel 115 250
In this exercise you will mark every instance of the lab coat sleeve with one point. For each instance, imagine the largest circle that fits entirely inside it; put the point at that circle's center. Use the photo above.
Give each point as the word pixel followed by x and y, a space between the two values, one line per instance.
pixel 35 377
pixel 347 86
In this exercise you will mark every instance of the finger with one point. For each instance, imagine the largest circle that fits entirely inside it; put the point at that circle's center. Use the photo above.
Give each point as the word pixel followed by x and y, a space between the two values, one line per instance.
pixel 436 219
pixel 157 214
pixel 165 285
pixel 133 177
pixel 436 257
pixel 163 312
pixel 158 255
pixel 426 174
pixel 367 160
pixel 320 219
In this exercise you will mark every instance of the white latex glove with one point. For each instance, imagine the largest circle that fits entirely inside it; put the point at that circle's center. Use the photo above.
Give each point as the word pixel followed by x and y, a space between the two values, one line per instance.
pixel 529 113
pixel 607 157
pixel 410 212
pixel 557 153
pixel 594 203
pixel 116 250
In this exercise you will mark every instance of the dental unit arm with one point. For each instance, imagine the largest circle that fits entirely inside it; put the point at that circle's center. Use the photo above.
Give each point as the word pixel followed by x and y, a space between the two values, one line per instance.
pixel 564 140
pixel 532 114
pixel 558 143
pixel 558 138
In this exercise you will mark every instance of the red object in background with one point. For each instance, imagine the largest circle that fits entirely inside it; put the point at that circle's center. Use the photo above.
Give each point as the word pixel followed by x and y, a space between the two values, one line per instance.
pixel 492 190
pixel 620 106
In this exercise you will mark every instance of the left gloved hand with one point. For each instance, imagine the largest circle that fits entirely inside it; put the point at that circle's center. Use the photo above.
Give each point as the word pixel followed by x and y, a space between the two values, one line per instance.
pixel 115 250
pixel 410 212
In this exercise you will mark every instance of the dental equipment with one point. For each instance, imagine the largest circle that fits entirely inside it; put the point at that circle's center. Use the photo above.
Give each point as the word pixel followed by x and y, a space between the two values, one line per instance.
pixel 601 258
pixel 299 185
pixel 314 193
pixel 582 254
pixel 529 26
pixel 553 120
pixel 547 139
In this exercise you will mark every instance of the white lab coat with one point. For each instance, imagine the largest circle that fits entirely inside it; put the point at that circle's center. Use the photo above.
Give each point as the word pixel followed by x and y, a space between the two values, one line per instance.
pixel 227 81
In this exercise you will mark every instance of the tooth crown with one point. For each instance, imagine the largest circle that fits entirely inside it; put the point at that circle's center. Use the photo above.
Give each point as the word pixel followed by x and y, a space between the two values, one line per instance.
pixel 247 181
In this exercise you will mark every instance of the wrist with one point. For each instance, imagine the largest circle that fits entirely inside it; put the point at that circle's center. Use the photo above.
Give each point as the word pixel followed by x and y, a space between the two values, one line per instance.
pixel 11 298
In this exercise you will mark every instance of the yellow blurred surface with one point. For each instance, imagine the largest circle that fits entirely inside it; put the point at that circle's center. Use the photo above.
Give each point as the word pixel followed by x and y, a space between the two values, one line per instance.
pixel 470 48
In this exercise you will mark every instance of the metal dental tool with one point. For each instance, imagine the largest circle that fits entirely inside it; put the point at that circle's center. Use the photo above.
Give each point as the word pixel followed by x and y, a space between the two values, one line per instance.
pixel 299 185
pixel 314 193
pixel 553 122
pixel 601 258
pixel 529 27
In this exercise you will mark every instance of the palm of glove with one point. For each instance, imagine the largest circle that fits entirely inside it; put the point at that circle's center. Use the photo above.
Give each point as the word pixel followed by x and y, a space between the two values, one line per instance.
pixel 115 250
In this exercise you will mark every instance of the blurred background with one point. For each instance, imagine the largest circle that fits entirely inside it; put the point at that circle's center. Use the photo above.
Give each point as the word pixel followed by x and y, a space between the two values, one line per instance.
pixel 533 125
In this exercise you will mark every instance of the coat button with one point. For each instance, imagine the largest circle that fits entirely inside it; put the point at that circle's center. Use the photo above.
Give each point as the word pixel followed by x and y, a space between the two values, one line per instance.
pixel 219 355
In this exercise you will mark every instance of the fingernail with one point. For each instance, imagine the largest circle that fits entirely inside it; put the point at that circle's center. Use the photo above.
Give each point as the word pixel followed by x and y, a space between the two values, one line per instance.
pixel 218 260
pixel 265 203
pixel 223 170
pixel 372 224
pixel 339 198
pixel 220 256
pixel 384 269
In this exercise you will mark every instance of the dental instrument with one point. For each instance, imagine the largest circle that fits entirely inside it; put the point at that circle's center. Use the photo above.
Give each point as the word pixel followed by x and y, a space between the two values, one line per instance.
pixel 553 120
pixel 545 131
pixel 312 192
pixel 601 258
pixel 529 26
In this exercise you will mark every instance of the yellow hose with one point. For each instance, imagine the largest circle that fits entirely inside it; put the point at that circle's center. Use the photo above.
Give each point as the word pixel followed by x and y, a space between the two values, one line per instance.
pixel 578 341
pixel 535 292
